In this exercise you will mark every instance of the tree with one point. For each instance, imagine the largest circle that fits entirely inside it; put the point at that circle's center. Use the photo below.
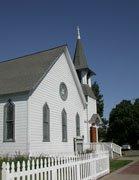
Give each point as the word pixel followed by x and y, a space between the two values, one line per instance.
pixel 102 131
pixel 100 109
pixel 124 123
pixel 135 125
pixel 99 98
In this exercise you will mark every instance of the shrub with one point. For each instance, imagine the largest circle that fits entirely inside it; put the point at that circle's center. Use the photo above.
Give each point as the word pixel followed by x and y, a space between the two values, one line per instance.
pixel 17 157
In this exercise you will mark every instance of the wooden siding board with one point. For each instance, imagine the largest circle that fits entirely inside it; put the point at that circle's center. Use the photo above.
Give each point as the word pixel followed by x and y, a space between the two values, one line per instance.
pixel 48 91
pixel 92 109
pixel 20 144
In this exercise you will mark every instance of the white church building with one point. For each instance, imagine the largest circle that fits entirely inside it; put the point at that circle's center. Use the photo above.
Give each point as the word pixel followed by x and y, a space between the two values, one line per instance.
pixel 46 103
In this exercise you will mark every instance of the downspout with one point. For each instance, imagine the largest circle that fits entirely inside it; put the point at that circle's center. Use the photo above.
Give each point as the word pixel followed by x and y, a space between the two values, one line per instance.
pixel 97 134
pixel 28 137
pixel 87 123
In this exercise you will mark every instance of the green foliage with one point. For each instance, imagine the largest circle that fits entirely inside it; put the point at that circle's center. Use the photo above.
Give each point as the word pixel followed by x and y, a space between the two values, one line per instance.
pixel 102 134
pixel 14 159
pixel 100 110
pixel 99 97
pixel 124 123
pixel 116 164
pixel 20 158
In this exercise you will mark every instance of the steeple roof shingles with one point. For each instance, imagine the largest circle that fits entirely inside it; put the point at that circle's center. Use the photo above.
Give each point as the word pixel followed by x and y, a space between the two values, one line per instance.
pixel 79 60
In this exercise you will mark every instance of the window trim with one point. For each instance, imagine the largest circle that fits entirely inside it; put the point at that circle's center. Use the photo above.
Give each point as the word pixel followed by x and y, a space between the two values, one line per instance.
pixel 48 111
pixel 5 122
pixel 78 124
pixel 64 87
pixel 65 114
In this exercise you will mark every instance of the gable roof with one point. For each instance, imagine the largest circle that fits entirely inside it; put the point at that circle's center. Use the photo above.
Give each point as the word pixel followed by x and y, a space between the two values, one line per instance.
pixel 96 120
pixel 23 73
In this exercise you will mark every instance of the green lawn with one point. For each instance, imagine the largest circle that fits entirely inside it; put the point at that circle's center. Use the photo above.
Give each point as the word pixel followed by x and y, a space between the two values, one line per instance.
pixel 117 164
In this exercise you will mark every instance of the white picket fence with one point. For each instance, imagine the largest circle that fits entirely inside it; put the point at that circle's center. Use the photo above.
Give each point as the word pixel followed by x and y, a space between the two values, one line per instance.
pixel 81 167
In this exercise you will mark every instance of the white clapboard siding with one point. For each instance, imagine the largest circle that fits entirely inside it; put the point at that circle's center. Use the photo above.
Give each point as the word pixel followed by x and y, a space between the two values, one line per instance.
pixel 48 91
pixel 92 109
pixel 20 144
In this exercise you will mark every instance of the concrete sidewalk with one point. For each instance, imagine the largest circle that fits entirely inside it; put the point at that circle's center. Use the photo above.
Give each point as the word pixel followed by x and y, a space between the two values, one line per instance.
pixel 128 172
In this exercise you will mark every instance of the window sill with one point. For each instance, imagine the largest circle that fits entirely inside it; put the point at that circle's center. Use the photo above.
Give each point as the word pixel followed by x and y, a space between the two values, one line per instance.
pixel 45 140
pixel 8 141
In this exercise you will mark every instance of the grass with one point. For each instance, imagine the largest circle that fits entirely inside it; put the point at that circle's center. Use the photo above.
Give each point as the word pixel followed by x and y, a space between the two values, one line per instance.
pixel 117 164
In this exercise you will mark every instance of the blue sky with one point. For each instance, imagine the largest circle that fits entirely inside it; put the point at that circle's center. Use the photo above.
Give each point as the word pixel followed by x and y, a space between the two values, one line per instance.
pixel 109 31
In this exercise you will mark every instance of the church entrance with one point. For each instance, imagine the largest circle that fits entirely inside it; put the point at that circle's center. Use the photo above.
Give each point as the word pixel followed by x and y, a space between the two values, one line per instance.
pixel 93 134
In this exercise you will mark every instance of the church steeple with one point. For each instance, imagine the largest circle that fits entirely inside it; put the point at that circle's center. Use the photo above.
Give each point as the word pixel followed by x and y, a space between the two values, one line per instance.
pixel 80 62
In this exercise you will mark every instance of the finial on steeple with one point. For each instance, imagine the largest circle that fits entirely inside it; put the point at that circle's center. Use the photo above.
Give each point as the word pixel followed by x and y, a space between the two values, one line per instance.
pixel 78 32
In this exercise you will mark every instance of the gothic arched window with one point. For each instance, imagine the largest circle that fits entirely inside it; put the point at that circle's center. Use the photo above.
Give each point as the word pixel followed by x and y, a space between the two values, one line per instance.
pixel 9 121
pixel 77 125
pixel 46 123
pixel 64 126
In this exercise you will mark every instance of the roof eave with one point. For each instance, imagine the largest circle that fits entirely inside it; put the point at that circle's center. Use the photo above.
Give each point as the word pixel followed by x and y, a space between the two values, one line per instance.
pixel 75 77
pixel 86 69
pixel 14 94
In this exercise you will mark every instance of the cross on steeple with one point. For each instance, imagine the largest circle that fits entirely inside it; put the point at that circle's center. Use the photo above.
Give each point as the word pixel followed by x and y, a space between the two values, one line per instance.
pixel 78 32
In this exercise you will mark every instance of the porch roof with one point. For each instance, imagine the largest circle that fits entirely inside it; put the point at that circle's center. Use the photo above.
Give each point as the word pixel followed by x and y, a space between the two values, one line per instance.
pixel 95 119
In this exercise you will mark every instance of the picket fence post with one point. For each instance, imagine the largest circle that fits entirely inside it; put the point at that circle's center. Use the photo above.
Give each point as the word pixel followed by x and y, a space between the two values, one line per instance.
pixel 54 171
pixel 78 167
pixel 78 172
pixel 95 168
pixel 5 170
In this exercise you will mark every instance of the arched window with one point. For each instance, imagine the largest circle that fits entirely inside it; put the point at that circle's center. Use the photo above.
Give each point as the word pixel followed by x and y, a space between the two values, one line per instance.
pixel 46 123
pixel 64 126
pixel 77 125
pixel 9 121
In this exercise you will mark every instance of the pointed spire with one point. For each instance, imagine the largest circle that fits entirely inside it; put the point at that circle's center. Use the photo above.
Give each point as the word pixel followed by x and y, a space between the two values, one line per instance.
pixel 80 60
pixel 78 33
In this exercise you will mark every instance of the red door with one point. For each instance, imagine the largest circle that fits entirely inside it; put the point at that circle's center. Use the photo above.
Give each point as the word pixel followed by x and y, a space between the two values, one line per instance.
pixel 93 135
